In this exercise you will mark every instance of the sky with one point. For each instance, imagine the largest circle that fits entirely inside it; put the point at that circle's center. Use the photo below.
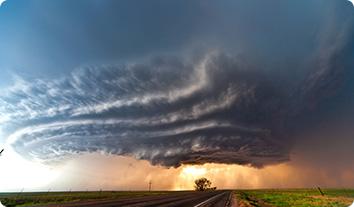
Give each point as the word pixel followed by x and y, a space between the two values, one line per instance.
pixel 114 94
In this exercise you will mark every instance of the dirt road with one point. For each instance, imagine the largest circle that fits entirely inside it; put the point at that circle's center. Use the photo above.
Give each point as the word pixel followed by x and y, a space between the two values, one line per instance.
pixel 188 199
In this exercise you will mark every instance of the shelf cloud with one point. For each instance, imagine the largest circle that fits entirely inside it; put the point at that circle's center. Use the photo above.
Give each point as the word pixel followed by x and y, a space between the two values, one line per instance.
pixel 164 110
pixel 170 111
pixel 238 102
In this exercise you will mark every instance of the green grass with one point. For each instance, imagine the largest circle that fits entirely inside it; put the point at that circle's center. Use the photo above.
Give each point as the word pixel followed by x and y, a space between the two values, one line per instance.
pixel 248 198
pixel 42 198
pixel 296 198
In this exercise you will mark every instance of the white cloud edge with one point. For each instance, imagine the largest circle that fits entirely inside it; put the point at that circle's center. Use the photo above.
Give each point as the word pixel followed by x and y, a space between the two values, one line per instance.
pixel 1 2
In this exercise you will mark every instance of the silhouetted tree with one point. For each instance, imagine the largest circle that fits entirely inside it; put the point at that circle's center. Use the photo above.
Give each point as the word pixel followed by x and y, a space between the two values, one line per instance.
pixel 203 184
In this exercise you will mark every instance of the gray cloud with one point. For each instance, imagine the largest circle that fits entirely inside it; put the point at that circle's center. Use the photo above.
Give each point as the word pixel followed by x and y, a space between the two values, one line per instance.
pixel 165 110
pixel 215 107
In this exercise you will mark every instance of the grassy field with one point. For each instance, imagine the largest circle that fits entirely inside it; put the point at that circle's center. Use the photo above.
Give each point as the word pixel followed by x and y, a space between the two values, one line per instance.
pixel 246 198
pixel 296 198
pixel 31 199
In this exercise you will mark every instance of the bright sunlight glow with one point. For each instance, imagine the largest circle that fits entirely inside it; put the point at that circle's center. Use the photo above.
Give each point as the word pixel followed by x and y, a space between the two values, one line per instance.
pixel 188 175
pixel 193 171
pixel 22 174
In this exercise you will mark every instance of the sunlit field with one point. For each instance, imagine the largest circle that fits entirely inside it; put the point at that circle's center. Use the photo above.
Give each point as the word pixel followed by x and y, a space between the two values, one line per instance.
pixel 296 198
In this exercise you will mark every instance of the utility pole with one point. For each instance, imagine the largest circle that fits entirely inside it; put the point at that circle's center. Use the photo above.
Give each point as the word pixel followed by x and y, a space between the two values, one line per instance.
pixel 150 185
pixel 319 189
pixel 19 193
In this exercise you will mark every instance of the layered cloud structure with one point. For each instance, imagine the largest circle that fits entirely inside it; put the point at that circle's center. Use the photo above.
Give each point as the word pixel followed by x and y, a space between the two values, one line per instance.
pixel 170 111
pixel 164 110
pixel 248 102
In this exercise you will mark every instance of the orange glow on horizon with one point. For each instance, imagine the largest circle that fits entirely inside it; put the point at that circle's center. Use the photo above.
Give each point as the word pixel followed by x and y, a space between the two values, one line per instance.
pixel 107 172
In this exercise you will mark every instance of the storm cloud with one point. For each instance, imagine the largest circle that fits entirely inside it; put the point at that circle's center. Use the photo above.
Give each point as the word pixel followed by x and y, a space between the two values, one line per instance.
pixel 164 110
pixel 249 108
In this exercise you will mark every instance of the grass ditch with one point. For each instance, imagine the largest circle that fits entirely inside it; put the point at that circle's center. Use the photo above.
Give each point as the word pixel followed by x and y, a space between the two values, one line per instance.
pixel 295 197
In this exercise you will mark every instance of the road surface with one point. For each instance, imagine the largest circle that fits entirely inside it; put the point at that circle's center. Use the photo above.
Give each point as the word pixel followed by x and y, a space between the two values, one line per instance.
pixel 188 199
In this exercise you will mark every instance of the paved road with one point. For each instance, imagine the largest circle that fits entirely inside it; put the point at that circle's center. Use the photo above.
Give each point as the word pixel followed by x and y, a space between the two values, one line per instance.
pixel 190 199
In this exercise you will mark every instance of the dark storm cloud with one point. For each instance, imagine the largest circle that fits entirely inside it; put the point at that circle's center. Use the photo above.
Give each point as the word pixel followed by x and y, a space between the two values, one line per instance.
pixel 165 110
pixel 56 37
pixel 67 34
pixel 216 107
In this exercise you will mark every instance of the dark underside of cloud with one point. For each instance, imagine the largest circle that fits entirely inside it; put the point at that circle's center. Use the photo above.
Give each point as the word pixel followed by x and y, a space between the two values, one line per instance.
pixel 210 108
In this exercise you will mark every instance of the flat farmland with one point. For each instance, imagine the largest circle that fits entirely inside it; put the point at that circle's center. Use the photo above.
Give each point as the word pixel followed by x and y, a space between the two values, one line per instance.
pixel 42 198
pixel 295 197
pixel 222 198
pixel 238 198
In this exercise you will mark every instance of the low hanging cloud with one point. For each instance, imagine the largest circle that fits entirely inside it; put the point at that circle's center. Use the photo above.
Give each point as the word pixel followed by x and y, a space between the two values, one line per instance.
pixel 166 110
pixel 212 108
